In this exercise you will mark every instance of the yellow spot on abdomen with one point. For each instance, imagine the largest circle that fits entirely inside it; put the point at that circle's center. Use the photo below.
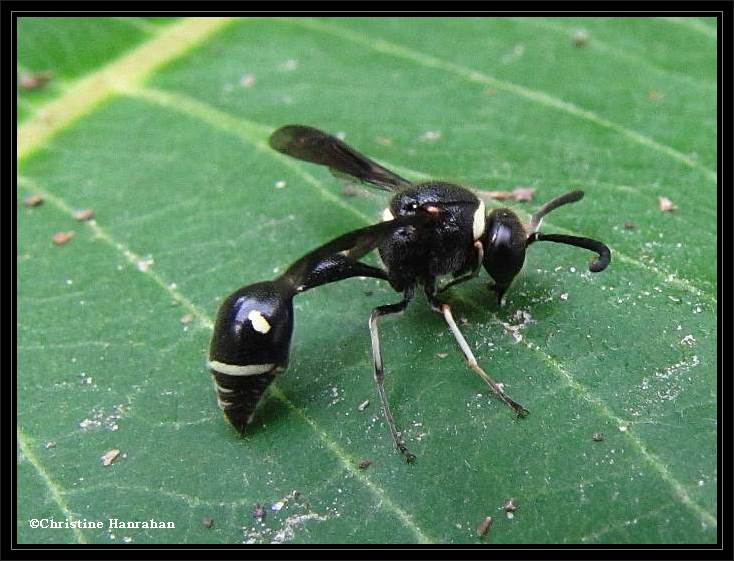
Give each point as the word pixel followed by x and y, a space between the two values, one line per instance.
pixel 259 323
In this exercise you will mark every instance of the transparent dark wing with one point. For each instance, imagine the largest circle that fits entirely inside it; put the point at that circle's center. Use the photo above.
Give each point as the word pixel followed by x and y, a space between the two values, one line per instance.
pixel 315 146
pixel 338 259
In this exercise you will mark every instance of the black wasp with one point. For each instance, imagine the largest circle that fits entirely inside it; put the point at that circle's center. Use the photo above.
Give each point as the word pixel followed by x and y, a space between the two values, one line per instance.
pixel 429 230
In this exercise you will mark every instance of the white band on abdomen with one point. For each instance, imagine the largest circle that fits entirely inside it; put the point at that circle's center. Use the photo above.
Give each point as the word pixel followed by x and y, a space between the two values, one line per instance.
pixel 237 370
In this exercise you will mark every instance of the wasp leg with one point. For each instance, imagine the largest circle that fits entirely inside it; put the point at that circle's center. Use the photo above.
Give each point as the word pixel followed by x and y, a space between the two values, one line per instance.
pixel 380 371
pixel 474 272
pixel 445 310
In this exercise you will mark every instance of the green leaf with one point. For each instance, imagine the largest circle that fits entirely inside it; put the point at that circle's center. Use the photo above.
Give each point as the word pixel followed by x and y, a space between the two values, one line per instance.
pixel 161 130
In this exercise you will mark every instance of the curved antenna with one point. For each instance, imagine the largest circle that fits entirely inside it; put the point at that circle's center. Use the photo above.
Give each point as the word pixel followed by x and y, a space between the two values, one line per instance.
pixel 315 146
pixel 598 264
pixel 566 198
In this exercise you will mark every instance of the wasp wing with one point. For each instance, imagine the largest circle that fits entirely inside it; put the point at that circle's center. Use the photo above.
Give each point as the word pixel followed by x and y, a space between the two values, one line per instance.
pixel 315 146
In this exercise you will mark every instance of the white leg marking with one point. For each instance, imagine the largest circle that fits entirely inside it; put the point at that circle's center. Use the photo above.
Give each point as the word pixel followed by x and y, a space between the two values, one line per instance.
pixel 458 336
pixel 375 342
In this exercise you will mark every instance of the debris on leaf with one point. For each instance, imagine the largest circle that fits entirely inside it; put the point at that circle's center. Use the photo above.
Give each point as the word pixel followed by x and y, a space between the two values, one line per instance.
pixel 32 200
pixel 289 65
pixel 275 507
pixel 442 355
pixel 597 436
pixel 430 136
pixel 654 95
pixel 84 214
pixel 364 464
pixel 510 505
pixel 259 513
pixel 362 406
pixel 483 528
pixel 60 238
pixel 247 80
pixel 629 225
pixel 145 264
pixel 207 521
pixel 280 184
pixel 186 319
pixel 580 37
pixel 34 81
pixel 523 194
pixel 110 457
pixel 666 205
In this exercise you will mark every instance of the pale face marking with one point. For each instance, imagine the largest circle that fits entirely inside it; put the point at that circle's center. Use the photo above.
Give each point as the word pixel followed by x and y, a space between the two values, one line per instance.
pixel 387 215
pixel 479 221
pixel 238 370
pixel 259 323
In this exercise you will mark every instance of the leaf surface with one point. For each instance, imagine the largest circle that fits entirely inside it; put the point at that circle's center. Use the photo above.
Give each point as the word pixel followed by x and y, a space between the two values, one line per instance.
pixel 113 326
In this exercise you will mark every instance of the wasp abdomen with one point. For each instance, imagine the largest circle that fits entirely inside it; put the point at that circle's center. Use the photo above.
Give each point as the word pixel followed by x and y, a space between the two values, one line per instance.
pixel 238 396
pixel 250 346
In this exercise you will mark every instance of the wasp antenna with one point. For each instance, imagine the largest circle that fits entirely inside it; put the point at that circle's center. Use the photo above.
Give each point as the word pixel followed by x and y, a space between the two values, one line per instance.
pixel 566 198
pixel 597 265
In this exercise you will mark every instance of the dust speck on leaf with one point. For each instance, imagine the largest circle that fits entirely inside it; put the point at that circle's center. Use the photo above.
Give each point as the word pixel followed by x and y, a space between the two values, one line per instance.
pixel 430 136
pixel 32 200
pixel 259 513
pixel 60 238
pixel 84 214
pixel 510 505
pixel 110 457
pixel 34 80
pixel 654 95
pixel 666 205
pixel 247 80
pixel 484 526
pixel 289 65
pixel 145 264
pixel 580 37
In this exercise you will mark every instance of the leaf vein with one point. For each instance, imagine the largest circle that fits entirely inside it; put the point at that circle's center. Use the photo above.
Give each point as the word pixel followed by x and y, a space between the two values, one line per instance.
pixel 536 96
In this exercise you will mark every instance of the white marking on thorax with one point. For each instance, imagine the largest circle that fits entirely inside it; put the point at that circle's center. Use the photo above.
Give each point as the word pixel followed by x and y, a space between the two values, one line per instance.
pixel 479 221
pixel 387 215
pixel 239 370
pixel 259 323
